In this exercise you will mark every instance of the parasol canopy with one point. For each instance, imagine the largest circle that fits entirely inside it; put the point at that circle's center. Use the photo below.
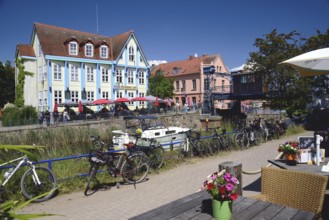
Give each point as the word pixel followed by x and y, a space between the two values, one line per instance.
pixel 80 108
pixel 312 63
pixel 122 100
pixel 101 102
pixel 56 107
pixel 139 99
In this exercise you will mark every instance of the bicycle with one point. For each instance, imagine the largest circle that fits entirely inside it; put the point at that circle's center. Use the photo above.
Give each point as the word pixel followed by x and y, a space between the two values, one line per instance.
pixel 152 149
pixel 133 167
pixel 193 146
pixel 35 181
pixel 218 142
pixel 240 136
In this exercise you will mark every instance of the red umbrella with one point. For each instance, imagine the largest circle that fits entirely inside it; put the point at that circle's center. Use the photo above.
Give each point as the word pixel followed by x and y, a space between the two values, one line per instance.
pixel 56 107
pixel 139 99
pixel 80 108
pixel 122 100
pixel 156 101
pixel 101 102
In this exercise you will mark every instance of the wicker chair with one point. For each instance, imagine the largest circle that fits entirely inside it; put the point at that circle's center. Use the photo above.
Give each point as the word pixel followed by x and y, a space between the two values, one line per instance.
pixel 295 189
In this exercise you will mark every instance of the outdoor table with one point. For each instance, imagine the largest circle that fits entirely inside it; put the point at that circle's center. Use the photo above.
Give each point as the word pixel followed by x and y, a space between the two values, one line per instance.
pixel 198 206
pixel 302 166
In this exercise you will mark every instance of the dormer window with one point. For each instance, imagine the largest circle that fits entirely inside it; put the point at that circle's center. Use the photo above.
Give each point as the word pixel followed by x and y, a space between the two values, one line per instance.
pixel 73 48
pixel 131 53
pixel 104 51
pixel 89 50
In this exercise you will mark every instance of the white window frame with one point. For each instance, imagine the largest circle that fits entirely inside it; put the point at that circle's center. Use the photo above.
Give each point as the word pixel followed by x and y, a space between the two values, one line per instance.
pixel 131 53
pixel 90 95
pixel 130 76
pixel 105 95
pixel 103 51
pixel 90 73
pixel 131 95
pixel 118 94
pixel 57 71
pixel 177 85
pixel 141 94
pixel 58 96
pixel 74 72
pixel 118 75
pixel 73 48
pixel 74 96
pixel 141 77
pixel 105 74
pixel 193 84
pixel 40 98
pixel 89 50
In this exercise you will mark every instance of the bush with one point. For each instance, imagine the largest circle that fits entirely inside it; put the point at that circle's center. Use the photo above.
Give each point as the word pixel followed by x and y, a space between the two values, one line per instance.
pixel 13 116
pixel 10 116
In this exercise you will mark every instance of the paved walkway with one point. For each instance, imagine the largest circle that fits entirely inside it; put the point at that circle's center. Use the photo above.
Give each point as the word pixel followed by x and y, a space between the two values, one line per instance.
pixel 160 189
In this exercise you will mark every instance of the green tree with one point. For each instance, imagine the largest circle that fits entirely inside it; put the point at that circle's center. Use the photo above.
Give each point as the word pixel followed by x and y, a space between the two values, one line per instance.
pixel 19 101
pixel 287 90
pixel 161 86
pixel 7 83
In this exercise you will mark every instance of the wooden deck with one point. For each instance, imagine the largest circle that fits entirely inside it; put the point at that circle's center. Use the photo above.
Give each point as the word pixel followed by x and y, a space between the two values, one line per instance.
pixel 198 206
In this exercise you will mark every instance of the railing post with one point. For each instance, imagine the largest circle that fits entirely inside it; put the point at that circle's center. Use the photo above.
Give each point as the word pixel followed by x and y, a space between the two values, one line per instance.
pixel 236 170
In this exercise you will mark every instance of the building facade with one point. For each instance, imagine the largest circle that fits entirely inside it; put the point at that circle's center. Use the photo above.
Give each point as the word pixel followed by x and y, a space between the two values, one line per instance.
pixel 191 84
pixel 70 65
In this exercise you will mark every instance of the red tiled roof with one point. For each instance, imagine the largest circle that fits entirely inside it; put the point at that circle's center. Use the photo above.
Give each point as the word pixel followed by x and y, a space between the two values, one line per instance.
pixel 184 67
pixel 25 50
pixel 54 41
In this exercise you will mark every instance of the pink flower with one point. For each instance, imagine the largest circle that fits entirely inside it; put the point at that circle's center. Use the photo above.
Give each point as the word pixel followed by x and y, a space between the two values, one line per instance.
pixel 229 187
pixel 234 180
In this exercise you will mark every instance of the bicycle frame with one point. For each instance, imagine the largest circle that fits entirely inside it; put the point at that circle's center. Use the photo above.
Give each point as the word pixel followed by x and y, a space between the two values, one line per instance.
pixel 23 160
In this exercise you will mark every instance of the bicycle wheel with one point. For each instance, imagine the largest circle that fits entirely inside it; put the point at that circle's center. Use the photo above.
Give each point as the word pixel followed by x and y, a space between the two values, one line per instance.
pixel 241 140
pixel 217 143
pixel 156 157
pixel 207 148
pixel 182 151
pixel 135 168
pixel 30 188
pixel 92 183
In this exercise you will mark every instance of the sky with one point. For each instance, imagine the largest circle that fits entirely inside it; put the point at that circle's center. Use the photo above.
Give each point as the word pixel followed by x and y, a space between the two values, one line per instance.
pixel 168 30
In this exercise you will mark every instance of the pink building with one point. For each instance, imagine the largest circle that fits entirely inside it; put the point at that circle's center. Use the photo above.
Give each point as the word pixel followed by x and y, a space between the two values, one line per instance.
pixel 190 83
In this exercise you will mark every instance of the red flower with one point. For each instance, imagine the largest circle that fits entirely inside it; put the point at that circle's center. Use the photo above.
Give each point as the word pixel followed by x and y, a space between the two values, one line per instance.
pixel 222 190
pixel 210 186
pixel 234 196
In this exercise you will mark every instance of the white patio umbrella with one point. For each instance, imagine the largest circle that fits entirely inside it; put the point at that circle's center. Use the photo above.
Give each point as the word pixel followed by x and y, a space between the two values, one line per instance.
pixel 312 63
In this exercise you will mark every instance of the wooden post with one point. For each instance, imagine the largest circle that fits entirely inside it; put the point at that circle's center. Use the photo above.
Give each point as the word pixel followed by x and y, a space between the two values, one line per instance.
pixel 236 170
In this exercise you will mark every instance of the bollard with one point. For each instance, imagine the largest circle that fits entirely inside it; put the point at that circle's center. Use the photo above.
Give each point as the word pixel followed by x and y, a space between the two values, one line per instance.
pixel 236 170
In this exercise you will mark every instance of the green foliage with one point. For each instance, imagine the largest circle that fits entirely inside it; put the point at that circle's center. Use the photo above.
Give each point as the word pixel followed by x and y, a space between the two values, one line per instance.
pixel 7 83
pixel 161 86
pixel 287 89
pixel 10 116
pixel 19 101
pixel 14 116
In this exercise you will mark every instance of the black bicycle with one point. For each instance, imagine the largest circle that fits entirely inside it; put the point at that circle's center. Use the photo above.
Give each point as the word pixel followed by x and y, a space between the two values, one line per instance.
pixel 193 145
pixel 152 148
pixel 132 166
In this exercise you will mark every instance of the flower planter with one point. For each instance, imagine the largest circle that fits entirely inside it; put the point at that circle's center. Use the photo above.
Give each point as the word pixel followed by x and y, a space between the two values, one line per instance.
pixel 222 210
pixel 291 159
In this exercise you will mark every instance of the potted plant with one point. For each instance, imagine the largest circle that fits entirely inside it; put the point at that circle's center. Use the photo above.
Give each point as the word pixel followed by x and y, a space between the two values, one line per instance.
pixel 221 186
pixel 290 150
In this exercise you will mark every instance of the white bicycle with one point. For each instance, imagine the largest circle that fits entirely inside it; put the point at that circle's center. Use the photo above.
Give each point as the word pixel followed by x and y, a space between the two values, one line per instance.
pixel 35 181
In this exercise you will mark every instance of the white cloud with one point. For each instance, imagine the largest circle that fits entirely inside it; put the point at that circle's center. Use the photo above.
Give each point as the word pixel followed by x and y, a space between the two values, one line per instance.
pixel 156 62
pixel 237 68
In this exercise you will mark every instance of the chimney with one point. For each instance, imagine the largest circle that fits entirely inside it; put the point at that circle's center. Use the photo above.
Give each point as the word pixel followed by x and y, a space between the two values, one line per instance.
pixel 191 57
pixel 204 55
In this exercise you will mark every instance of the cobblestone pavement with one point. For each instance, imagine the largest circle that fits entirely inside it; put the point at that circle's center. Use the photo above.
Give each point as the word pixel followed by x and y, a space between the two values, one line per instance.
pixel 160 189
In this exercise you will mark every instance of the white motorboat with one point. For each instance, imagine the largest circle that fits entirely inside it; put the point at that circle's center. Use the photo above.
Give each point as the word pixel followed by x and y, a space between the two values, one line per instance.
pixel 168 137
